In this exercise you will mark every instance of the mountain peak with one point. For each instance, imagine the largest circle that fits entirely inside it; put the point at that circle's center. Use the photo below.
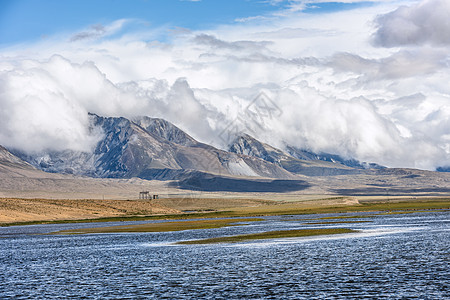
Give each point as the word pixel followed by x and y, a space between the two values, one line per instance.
pixel 165 130
pixel 310 165
pixel 247 145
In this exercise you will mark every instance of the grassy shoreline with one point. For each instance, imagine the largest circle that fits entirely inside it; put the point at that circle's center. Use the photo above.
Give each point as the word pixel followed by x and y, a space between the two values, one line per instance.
pixel 298 208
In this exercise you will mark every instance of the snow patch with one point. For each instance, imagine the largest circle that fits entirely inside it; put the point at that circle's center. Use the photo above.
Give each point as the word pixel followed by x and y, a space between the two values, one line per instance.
pixel 240 168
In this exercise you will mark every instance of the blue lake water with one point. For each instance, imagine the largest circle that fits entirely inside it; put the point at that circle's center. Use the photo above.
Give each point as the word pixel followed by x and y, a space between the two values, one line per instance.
pixel 393 257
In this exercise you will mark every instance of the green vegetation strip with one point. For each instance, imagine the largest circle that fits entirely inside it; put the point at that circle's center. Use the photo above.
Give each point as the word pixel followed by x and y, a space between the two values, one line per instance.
pixel 364 207
pixel 333 218
pixel 163 227
pixel 269 235
pixel 344 217
pixel 398 212
pixel 335 222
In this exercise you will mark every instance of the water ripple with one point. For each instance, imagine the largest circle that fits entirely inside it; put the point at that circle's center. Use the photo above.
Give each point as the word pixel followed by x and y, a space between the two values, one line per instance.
pixel 392 258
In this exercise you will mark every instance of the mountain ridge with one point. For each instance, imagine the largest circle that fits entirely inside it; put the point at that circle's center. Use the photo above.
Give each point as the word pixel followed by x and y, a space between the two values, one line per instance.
pixel 152 148
pixel 134 148
pixel 20 179
pixel 248 145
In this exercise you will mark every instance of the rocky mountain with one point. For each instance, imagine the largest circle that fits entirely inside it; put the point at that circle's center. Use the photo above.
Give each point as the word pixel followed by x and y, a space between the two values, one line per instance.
pixel 149 148
pixel 333 158
pixel 9 159
pixel 12 166
pixel 165 130
pixel 310 166
pixel 247 145
pixel 127 151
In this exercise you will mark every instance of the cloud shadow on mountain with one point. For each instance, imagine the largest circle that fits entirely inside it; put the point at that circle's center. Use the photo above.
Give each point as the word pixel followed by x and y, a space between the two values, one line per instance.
pixel 228 184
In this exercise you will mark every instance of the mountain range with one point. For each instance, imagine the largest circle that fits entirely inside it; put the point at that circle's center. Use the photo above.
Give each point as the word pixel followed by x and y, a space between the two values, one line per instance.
pixel 152 148
pixel 155 149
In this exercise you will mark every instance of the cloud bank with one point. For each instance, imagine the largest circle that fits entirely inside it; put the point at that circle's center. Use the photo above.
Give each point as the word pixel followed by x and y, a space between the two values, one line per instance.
pixel 375 104
pixel 427 22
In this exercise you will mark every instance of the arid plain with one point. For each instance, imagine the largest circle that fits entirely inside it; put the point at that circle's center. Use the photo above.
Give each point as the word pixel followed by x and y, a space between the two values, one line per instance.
pixel 30 195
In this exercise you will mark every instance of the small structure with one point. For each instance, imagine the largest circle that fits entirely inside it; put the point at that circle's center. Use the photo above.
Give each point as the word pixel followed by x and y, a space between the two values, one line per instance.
pixel 144 195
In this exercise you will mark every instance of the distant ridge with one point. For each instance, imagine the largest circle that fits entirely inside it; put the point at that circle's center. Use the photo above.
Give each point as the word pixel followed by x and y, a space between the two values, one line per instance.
pixel 248 145
pixel 118 157
pixel 443 169
pixel 333 158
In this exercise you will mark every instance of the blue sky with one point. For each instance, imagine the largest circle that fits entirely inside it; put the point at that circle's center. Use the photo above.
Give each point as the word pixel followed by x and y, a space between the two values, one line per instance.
pixel 31 20
pixel 22 20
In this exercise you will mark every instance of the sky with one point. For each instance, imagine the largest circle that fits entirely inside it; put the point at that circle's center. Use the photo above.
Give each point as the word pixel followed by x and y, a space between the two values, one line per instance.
pixel 24 20
pixel 33 20
pixel 362 79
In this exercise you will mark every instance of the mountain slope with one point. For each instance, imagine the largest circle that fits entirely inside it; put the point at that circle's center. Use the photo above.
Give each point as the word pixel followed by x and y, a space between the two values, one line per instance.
pixel 154 144
pixel 9 159
pixel 18 179
pixel 165 130
pixel 149 148
pixel 333 158
pixel 247 145
pixel 12 166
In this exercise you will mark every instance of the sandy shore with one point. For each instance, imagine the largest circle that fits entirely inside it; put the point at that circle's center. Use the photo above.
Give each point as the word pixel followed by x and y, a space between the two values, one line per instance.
pixel 13 210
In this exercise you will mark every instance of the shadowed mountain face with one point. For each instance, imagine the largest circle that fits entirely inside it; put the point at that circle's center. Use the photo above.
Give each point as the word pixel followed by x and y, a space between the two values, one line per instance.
pixel 205 182
pixel 443 169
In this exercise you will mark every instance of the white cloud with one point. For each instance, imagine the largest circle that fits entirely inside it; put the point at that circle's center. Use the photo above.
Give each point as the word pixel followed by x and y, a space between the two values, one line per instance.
pixel 37 113
pixel 427 22
pixel 337 92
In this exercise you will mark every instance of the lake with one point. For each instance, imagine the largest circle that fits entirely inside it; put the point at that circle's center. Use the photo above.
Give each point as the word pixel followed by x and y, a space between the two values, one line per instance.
pixel 396 256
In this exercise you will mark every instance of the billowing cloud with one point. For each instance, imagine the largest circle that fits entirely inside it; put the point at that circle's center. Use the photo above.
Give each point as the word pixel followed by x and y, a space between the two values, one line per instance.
pixel 427 22
pixel 37 113
pixel 402 64
pixel 370 103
